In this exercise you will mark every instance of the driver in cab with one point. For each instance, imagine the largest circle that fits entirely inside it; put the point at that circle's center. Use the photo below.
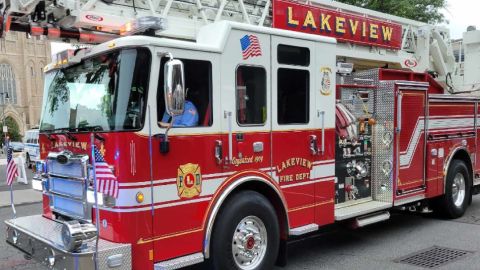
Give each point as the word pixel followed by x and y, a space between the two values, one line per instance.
pixel 189 118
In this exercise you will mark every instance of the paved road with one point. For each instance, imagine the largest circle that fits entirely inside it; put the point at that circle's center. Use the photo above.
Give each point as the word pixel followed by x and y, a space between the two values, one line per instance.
pixel 373 247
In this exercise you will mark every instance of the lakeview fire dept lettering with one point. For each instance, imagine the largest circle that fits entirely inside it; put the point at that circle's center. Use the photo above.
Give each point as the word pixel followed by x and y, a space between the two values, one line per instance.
pixel 291 162
pixel 78 145
pixel 189 180
pixel 344 27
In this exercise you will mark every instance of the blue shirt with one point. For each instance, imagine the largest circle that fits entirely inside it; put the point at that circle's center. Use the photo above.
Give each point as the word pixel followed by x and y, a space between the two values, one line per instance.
pixel 189 118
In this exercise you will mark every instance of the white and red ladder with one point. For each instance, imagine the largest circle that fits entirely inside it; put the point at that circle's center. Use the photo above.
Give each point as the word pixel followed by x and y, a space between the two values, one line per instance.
pixel 428 46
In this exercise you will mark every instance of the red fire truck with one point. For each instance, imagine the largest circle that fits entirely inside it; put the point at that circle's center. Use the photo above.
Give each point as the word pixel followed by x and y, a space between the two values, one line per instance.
pixel 231 127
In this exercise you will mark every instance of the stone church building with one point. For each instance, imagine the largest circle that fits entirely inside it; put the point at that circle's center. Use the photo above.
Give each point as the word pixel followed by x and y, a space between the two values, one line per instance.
pixel 22 61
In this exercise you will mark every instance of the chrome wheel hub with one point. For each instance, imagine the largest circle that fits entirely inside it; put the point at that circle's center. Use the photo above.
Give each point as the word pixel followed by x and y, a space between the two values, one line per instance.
pixel 249 243
pixel 458 189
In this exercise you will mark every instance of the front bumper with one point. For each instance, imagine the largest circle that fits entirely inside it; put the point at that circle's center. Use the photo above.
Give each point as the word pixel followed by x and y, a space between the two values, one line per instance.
pixel 40 238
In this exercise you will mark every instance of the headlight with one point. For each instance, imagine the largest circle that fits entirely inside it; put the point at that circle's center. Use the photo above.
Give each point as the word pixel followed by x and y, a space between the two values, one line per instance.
pixel 74 234
pixel 91 197
pixel 37 184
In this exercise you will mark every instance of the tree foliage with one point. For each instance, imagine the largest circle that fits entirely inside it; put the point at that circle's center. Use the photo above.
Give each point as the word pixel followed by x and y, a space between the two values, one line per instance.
pixel 428 11
pixel 13 130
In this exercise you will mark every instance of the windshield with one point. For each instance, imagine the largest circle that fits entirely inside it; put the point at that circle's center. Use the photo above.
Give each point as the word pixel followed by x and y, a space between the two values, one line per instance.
pixel 107 92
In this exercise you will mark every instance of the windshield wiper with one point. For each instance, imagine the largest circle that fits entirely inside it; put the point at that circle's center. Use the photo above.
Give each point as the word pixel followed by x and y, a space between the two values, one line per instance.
pixel 66 132
pixel 90 128
pixel 94 128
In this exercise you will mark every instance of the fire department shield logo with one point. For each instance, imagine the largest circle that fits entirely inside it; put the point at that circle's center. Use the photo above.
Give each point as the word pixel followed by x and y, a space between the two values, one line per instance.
pixel 189 181
pixel 326 81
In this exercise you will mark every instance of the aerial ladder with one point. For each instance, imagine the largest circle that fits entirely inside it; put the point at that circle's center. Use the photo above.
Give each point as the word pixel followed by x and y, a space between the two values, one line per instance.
pixel 424 47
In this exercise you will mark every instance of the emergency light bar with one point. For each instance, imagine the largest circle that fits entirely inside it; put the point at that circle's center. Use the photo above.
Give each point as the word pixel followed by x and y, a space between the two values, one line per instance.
pixel 144 24
pixel 55 33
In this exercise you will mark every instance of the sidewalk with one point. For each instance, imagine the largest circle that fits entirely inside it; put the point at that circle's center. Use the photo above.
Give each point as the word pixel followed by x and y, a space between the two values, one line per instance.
pixel 20 197
pixel 22 193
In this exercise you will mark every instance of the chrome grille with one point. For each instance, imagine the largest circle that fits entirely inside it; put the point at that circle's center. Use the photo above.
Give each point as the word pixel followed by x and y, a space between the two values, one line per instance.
pixel 66 187
pixel 73 169
pixel 68 183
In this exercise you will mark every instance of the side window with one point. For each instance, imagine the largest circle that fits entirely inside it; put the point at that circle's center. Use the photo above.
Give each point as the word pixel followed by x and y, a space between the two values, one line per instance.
pixel 293 96
pixel 198 101
pixel 251 95
pixel 28 137
pixel 293 55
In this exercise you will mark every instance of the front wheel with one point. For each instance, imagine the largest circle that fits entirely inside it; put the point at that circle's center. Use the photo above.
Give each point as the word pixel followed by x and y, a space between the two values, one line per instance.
pixel 457 190
pixel 246 234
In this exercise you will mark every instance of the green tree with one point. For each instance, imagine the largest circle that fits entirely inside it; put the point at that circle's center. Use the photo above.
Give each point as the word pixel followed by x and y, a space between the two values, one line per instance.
pixel 13 130
pixel 428 11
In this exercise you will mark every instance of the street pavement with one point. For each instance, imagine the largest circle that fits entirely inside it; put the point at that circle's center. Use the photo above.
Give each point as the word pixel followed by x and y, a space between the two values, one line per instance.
pixel 372 247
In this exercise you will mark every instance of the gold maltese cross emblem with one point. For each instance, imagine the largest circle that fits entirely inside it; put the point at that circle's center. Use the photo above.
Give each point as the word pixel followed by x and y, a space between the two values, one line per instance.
pixel 189 181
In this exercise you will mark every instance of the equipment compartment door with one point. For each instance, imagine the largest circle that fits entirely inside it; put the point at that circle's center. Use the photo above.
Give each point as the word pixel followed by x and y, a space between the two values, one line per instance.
pixel 411 125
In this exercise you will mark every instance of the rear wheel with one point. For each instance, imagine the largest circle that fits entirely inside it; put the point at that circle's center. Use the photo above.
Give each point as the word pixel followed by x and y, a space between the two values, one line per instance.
pixel 246 234
pixel 454 202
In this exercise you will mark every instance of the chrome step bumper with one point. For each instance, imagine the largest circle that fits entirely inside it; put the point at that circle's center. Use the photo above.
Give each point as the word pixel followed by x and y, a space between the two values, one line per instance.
pixel 40 238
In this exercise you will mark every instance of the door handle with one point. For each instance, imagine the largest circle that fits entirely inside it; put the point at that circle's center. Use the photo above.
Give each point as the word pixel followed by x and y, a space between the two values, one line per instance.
pixel 218 152
pixel 399 112
pixel 313 145
pixel 322 114
pixel 228 116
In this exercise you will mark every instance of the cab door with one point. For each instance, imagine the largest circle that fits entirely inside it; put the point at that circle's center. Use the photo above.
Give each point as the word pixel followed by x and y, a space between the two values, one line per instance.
pixel 245 103
pixel 186 174
pixel 294 141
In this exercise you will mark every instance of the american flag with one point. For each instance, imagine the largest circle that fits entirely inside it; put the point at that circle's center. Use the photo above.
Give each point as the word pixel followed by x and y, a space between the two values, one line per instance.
pixel 250 46
pixel 106 182
pixel 12 171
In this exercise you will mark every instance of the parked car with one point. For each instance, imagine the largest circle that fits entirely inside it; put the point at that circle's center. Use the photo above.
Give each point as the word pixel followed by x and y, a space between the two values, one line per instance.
pixel 17 146
pixel 32 148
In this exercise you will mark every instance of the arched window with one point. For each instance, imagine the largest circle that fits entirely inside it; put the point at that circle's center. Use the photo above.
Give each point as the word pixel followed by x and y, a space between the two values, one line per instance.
pixel 7 84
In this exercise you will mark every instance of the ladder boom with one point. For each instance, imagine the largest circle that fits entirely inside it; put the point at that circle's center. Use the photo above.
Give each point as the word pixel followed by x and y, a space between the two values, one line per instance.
pixel 423 47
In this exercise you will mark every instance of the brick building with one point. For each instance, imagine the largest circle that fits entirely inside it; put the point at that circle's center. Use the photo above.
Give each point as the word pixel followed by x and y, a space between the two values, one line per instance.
pixel 22 61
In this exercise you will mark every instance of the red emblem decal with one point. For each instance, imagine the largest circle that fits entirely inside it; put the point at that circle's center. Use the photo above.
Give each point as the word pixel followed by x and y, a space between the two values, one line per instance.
pixel 94 18
pixel 411 63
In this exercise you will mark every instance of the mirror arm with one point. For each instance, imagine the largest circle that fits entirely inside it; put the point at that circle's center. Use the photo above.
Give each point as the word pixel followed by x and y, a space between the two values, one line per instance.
pixel 165 144
pixel 167 54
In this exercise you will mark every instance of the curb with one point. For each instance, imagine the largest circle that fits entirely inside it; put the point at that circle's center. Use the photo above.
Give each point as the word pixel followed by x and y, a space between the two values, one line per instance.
pixel 20 204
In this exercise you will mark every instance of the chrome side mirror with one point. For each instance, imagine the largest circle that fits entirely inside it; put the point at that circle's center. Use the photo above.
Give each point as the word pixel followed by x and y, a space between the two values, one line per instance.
pixel 174 87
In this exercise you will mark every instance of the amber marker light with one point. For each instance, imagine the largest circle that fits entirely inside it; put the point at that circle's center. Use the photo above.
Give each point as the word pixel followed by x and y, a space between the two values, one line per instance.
pixel 140 197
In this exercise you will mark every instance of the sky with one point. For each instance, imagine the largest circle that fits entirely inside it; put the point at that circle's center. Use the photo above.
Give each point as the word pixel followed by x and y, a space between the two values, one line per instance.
pixel 459 13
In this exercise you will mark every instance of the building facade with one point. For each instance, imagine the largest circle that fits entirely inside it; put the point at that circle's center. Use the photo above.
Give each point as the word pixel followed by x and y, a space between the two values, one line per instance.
pixel 22 61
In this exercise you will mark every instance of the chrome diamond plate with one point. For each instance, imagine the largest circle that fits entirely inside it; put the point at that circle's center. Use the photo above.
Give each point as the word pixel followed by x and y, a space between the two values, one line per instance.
pixel 39 235
pixel 382 183
pixel 357 106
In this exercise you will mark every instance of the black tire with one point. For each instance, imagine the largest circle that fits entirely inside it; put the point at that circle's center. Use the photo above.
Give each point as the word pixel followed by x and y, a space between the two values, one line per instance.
pixel 448 207
pixel 237 208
